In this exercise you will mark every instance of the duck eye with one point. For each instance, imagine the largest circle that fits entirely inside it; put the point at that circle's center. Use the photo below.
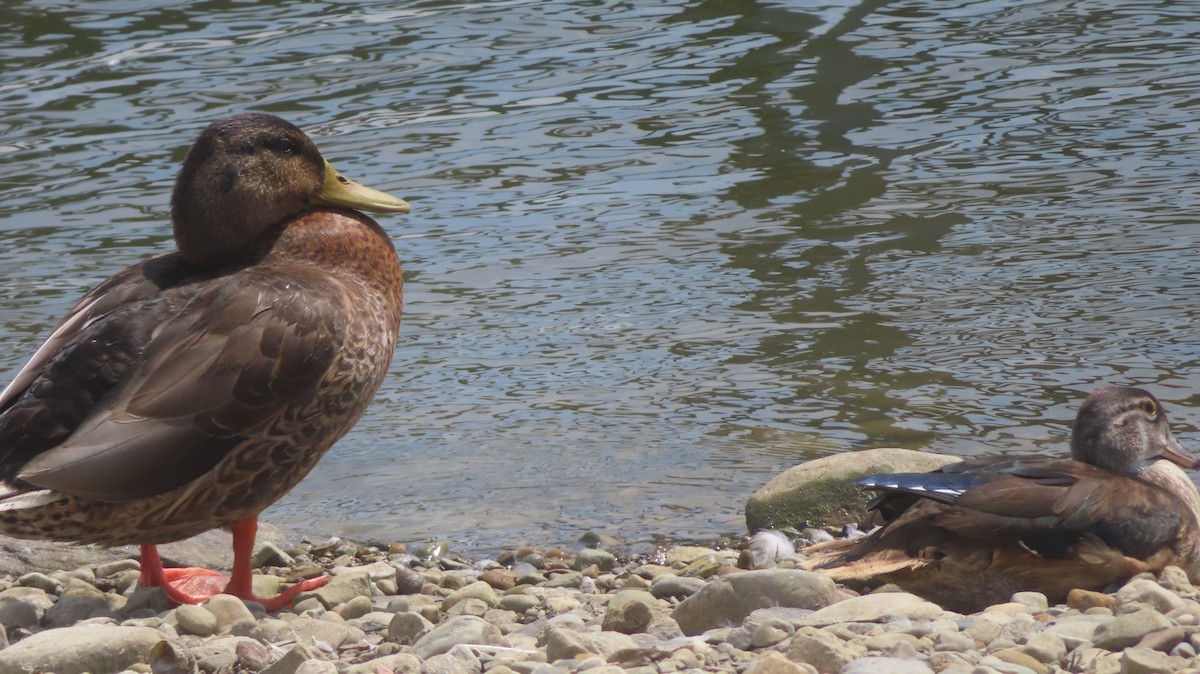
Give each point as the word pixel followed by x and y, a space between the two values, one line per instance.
pixel 1150 408
pixel 285 146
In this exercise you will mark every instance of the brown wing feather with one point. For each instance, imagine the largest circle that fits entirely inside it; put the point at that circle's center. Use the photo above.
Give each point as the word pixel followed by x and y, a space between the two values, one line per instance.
pixel 216 370
pixel 138 282
pixel 1129 514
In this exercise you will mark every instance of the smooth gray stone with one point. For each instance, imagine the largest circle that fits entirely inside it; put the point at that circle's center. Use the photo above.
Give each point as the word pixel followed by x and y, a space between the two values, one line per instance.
pixel 820 649
pixel 601 558
pixel 1126 630
pixel 397 663
pixel 885 665
pixel 341 589
pixel 305 630
pixel 477 590
pixel 373 621
pixel 876 607
pixel 679 587
pixel 70 610
pixel 455 631
pixel 23 606
pixel 196 620
pixel 407 627
pixel 459 660
pixel 1149 592
pixel 41 581
pixel 563 643
pixel 519 603
pixel 572 579
pixel 727 600
pixel 356 608
pixel 294 660
pixel 629 611
pixel 81 648
pixel 228 610
pixel 269 554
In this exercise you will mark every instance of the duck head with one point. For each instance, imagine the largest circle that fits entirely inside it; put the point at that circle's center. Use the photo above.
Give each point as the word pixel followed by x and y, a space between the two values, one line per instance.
pixel 1122 430
pixel 249 172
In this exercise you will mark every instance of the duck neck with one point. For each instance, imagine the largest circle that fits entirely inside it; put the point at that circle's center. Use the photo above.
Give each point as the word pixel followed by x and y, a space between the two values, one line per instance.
pixel 1170 477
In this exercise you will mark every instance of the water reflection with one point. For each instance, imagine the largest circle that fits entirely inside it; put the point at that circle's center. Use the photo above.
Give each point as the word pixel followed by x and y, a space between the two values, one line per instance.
pixel 659 251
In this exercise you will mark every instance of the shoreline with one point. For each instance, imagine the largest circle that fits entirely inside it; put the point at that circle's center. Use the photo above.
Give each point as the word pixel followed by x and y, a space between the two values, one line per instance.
pixel 685 608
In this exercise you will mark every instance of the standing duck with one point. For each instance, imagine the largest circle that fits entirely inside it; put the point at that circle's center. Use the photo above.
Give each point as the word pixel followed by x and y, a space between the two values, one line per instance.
pixel 194 389
pixel 972 533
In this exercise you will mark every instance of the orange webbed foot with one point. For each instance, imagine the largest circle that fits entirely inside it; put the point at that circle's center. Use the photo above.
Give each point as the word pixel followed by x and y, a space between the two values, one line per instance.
pixel 284 599
pixel 188 585
pixel 192 585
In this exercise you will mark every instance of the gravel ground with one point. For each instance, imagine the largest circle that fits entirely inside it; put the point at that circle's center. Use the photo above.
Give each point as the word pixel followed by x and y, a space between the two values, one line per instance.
pixel 552 612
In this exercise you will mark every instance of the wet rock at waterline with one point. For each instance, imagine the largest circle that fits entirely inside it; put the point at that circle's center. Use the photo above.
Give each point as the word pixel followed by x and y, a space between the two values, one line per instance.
pixel 821 492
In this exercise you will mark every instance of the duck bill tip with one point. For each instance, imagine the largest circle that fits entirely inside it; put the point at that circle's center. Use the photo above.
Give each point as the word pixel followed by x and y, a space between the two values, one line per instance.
pixel 1178 456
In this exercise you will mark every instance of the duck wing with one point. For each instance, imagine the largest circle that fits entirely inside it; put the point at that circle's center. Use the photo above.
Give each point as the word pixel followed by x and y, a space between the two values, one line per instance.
pixel 155 392
pixel 1046 504
pixel 900 491
pixel 141 281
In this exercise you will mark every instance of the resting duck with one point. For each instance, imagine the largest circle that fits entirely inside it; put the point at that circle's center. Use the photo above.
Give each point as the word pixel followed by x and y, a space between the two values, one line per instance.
pixel 194 389
pixel 972 533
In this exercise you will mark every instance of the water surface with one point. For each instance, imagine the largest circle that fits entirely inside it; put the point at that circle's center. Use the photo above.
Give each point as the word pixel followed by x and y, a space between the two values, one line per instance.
pixel 659 251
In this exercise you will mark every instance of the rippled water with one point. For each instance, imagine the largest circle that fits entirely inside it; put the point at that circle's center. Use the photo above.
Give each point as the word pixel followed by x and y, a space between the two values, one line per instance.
pixel 659 251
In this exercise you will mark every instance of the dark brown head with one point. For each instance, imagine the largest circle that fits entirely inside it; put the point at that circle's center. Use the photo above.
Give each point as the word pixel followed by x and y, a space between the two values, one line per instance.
pixel 247 173
pixel 1122 429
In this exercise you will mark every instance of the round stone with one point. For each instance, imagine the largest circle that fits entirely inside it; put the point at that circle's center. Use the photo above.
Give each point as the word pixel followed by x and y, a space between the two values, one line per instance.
pixel 196 620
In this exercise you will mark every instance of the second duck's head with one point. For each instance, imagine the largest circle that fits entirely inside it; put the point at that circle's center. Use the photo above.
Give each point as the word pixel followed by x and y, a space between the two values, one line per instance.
pixel 1122 429
pixel 248 172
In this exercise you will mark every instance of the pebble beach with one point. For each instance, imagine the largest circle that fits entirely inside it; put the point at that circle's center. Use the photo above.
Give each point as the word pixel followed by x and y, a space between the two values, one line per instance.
pixel 389 608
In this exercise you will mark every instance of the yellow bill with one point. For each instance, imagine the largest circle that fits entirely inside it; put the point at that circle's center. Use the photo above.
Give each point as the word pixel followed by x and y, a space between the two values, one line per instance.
pixel 339 190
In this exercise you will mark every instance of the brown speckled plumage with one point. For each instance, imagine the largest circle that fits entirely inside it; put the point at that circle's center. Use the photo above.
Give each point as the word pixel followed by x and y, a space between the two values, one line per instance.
pixel 198 387
pixel 971 534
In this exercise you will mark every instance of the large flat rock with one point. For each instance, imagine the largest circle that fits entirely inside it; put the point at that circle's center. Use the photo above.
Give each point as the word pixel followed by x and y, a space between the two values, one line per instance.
pixel 821 492
pixel 726 601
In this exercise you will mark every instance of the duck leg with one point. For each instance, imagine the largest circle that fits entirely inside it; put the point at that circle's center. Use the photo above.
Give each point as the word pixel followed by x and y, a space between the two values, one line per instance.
pixel 241 582
pixel 191 585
